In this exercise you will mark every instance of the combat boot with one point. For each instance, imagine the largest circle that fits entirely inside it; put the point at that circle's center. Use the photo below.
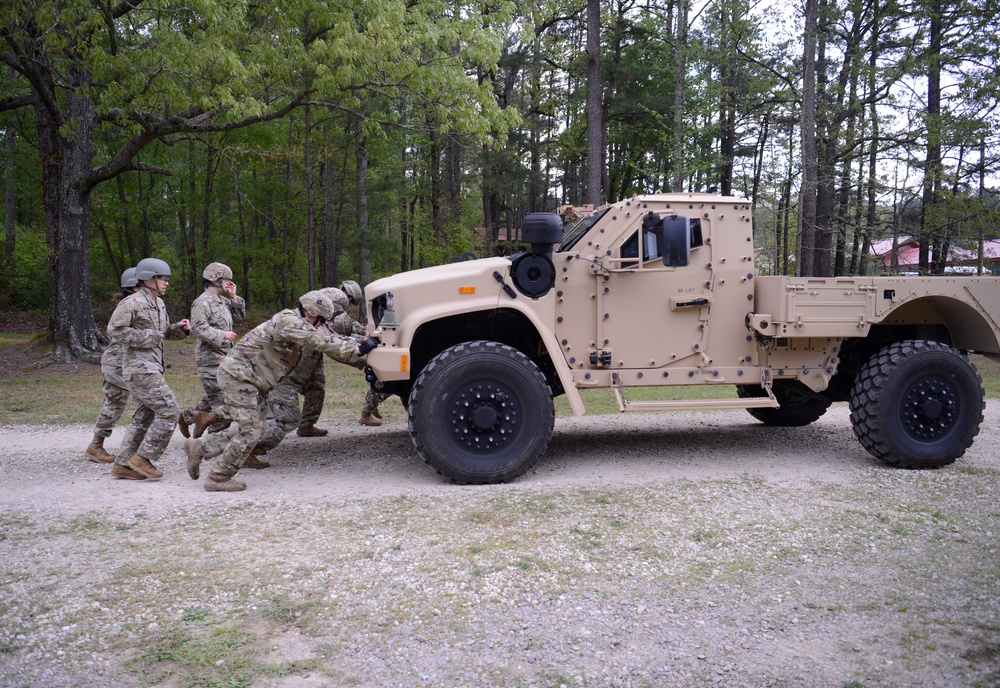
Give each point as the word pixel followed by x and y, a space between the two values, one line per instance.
pixel 369 419
pixel 125 472
pixel 97 453
pixel 194 454
pixel 253 462
pixel 202 420
pixel 310 430
pixel 216 482
pixel 377 413
pixel 141 464
pixel 182 423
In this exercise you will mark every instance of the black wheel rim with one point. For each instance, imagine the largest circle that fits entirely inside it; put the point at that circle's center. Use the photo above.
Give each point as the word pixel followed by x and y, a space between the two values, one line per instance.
pixel 484 416
pixel 930 408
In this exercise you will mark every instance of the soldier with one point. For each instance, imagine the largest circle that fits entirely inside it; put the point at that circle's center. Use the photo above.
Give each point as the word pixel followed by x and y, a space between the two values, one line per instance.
pixel 283 413
pixel 257 363
pixel 313 388
pixel 140 324
pixel 115 387
pixel 350 321
pixel 212 316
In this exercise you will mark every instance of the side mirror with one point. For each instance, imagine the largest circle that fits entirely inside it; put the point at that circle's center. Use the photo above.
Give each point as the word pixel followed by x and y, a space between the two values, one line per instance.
pixel 676 231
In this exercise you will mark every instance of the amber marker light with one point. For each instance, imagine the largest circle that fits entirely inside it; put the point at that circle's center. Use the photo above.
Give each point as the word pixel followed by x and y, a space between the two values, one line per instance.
pixel 466 290
pixel 404 362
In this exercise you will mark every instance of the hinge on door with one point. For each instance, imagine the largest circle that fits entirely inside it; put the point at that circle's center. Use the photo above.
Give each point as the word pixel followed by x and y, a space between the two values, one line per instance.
pixel 600 357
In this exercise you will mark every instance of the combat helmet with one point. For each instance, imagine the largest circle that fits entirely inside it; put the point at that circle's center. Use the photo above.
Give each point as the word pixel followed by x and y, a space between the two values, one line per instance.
pixel 353 291
pixel 316 305
pixel 337 297
pixel 128 279
pixel 148 268
pixel 214 272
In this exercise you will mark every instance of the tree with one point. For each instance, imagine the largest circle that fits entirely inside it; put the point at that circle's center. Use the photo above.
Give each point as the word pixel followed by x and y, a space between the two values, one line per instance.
pixel 149 75
pixel 595 119
pixel 142 75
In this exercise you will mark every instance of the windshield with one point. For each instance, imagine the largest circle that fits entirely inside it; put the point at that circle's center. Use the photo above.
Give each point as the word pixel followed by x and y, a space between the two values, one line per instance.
pixel 581 228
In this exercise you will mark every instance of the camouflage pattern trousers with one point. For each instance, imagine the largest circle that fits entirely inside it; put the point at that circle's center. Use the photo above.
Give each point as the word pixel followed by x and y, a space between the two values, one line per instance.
pixel 211 401
pixel 283 416
pixel 314 391
pixel 244 405
pixel 115 389
pixel 372 400
pixel 153 422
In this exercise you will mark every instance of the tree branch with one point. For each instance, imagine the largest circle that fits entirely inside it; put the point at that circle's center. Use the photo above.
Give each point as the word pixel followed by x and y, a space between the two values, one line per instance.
pixel 15 102
pixel 158 127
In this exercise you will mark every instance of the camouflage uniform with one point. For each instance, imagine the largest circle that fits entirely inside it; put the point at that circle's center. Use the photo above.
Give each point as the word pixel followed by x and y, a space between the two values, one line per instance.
pixel 282 402
pixel 345 324
pixel 115 389
pixel 258 362
pixel 314 393
pixel 211 317
pixel 314 387
pixel 135 325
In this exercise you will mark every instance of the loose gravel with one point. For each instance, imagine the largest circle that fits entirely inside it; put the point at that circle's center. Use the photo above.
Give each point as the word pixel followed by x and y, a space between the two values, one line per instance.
pixel 644 550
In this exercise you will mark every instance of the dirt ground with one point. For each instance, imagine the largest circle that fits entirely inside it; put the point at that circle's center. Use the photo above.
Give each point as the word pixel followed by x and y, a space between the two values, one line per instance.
pixel 678 549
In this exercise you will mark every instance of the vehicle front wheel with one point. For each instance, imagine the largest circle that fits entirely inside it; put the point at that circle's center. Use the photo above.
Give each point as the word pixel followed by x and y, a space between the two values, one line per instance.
pixel 917 404
pixel 481 412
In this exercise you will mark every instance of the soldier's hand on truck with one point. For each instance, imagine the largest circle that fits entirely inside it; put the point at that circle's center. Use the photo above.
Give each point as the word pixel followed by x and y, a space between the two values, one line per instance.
pixel 367 345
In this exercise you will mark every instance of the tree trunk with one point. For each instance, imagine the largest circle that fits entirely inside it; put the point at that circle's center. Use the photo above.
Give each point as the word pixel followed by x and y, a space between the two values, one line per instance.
pixel 287 298
pixel 361 154
pixel 10 212
pixel 680 67
pixel 932 168
pixel 807 204
pixel 310 200
pixel 65 172
pixel 595 123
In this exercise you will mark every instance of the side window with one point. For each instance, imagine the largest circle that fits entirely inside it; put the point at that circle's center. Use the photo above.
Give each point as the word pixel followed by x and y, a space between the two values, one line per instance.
pixel 650 247
pixel 696 236
pixel 630 249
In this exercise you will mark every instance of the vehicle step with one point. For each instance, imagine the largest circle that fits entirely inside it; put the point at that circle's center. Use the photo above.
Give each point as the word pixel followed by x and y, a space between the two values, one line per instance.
pixel 695 404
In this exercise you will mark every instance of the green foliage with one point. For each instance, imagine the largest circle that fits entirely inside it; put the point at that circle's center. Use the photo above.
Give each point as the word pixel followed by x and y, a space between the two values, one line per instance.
pixel 461 104
pixel 28 285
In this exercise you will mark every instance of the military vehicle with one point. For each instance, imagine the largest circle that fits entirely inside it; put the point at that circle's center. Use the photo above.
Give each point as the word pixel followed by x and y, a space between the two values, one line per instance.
pixel 661 291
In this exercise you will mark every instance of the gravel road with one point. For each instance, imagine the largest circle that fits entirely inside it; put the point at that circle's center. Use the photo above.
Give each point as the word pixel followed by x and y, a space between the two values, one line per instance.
pixel 644 550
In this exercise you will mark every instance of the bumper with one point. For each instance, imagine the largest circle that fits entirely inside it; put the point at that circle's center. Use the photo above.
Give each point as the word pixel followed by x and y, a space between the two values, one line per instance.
pixel 390 363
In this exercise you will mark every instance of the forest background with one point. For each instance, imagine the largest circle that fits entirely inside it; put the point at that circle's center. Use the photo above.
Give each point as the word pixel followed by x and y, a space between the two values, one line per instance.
pixel 305 142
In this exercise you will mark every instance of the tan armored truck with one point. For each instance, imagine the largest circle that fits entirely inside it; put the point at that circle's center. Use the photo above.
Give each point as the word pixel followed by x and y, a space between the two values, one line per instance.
pixel 660 291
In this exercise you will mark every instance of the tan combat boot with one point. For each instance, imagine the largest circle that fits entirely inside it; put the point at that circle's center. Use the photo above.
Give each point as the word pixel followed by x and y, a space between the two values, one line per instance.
pixel 125 472
pixel 183 425
pixel 216 482
pixel 253 462
pixel 194 456
pixel 369 419
pixel 310 431
pixel 97 453
pixel 202 420
pixel 141 464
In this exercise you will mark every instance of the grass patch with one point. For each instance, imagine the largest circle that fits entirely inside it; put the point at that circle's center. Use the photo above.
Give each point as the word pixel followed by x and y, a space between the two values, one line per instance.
pixel 39 397
pixel 42 397
pixel 202 657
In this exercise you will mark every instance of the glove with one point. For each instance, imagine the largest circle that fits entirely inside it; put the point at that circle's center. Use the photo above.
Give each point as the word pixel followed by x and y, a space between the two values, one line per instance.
pixel 367 345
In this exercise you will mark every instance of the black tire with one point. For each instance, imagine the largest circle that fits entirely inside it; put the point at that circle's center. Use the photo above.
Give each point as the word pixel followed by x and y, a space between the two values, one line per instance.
pixel 917 404
pixel 481 412
pixel 799 406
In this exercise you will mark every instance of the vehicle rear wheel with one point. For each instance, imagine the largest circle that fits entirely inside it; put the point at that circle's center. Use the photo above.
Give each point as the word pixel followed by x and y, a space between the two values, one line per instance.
pixel 917 404
pixel 799 406
pixel 481 412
